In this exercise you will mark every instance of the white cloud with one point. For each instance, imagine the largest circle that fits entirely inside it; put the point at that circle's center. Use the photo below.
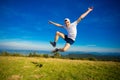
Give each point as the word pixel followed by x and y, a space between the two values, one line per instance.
pixel 25 45
pixel 92 45
pixel 94 48
pixel 29 45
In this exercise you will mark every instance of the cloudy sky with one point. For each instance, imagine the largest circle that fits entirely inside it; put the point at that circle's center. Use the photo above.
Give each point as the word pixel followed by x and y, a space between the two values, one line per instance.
pixel 24 24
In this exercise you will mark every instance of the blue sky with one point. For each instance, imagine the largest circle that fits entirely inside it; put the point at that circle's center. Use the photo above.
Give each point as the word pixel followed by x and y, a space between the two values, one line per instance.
pixel 24 24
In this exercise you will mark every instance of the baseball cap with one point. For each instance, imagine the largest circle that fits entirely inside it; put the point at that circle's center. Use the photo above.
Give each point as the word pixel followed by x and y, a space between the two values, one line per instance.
pixel 67 19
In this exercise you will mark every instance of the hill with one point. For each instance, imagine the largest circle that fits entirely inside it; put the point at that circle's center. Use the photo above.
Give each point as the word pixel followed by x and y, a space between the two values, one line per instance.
pixel 35 68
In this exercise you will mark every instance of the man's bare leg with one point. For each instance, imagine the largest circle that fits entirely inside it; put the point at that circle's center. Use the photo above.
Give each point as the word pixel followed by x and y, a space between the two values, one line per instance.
pixel 65 48
pixel 57 37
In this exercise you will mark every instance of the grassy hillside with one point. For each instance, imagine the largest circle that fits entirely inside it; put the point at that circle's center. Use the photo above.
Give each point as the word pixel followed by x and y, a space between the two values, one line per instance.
pixel 26 68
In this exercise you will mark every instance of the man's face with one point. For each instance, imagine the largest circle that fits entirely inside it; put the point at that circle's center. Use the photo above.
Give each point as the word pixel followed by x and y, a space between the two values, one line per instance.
pixel 67 23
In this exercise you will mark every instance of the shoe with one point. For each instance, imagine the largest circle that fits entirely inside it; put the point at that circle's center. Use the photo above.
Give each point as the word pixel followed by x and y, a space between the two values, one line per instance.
pixel 56 50
pixel 53 44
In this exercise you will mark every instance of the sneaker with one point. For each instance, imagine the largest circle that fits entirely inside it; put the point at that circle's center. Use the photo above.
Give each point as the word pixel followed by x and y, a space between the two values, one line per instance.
pixel 56 50
pixel 53 44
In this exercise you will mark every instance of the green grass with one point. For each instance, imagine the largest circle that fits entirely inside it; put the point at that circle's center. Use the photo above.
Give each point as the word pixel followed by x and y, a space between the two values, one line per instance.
pixel 26 68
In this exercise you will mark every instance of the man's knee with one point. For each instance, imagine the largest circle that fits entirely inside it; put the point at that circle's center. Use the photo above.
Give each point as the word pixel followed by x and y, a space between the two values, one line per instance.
pixel 57 33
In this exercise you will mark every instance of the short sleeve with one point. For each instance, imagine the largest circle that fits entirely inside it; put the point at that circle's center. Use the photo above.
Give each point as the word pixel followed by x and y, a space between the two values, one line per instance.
pixel 75 23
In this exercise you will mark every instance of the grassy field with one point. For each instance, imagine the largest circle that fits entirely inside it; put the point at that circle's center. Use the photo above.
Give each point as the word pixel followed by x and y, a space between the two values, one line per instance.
pixel 26 68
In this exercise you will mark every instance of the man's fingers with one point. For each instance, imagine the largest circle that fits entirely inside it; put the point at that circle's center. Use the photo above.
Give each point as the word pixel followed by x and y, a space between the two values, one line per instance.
pixel 90 8
pixel 49 22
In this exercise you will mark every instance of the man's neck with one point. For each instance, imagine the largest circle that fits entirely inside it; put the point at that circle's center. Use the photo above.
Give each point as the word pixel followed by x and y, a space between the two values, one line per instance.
pixel 68 26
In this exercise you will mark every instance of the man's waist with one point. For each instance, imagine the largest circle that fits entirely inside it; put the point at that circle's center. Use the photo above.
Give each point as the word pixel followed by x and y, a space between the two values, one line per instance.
pixel 72 37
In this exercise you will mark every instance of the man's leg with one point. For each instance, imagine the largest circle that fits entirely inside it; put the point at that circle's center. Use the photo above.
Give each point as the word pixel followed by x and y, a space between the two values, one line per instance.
pixel 65 48
pixel 57 37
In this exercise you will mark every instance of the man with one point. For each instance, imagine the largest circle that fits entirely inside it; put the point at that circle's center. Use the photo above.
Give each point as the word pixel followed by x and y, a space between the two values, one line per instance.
pixel 71 29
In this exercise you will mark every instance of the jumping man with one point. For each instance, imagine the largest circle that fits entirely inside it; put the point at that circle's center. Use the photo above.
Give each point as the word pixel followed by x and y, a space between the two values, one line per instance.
pixel 71 29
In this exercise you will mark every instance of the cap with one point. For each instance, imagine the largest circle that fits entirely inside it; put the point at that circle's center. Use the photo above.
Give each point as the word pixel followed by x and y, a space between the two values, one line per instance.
pixel 67 19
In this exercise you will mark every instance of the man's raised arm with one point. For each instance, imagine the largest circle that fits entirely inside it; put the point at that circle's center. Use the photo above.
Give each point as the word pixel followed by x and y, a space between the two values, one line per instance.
pixel 56 24
pixel 85 14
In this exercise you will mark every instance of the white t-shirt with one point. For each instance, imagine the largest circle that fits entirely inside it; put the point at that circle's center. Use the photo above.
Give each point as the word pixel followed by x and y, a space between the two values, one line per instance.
pixel 72 30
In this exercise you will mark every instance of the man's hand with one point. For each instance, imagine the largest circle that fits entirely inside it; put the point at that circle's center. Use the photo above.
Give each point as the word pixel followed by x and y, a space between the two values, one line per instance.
pixel 50 22
pixel 90 8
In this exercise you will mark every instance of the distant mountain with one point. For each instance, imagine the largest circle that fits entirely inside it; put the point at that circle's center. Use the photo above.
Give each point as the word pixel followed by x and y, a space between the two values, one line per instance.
pixel 73 54
pixel 95 56
pixel 27 51
pixel 63 53
pixel 94 53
